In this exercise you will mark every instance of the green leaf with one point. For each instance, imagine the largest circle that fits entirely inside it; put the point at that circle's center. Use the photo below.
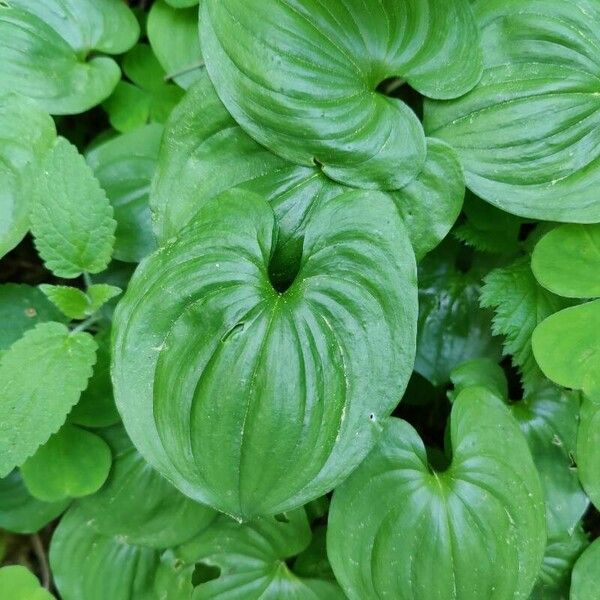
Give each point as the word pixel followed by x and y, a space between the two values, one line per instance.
pixel 301 78
pixel 313 561
pixel 479 372
pixel 182 3
pixel 26 133
pixel 452 327
pixel 128 107
pixel 77 304
pixel 96 407
pixel 478 525
pixel 567 261
pixel 124 166
pixel 520 304
pixel 22 307
pixel 585 583
pixel 41 378
pixel 249 560
pixel 18 583
pixel 71 219
pixel 50 50
pixel 566 346
pixel 20 512
pixel 588 448
pixel 201 139
pixel 71 464
pixel 138 505
pixel 254 399
pixel 173 35
pixel 527 133
pixel 86 564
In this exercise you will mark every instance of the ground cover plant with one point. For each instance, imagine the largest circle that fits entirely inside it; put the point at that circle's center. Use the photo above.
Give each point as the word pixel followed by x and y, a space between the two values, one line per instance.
pixel 299 299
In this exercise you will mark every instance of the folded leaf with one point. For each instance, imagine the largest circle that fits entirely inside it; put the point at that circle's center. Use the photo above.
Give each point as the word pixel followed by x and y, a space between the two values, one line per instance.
pixel 41 378
pixel 400 529
pixel 254 399
pixel 301 77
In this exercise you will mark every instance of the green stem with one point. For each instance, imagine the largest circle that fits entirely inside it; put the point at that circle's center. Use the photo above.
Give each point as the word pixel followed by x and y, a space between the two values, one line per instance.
pixel 171 76
pixel 85 324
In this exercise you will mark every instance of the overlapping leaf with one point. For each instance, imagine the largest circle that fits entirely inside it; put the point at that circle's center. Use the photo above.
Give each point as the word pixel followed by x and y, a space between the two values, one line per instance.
pixel 585 584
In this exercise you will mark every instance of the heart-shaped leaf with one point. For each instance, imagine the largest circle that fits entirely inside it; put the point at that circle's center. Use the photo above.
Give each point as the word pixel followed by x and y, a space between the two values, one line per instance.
pixel 585 584
pixel 202 139
pixel 479 525
pixel 255 400
pixel 50 49
pixel 301 77
pixel 527 134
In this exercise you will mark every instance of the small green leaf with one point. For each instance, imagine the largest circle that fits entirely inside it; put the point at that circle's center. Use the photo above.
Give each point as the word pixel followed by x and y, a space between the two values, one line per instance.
pixel 585 584
pixel 479 372
pixel 567 261
pixel 71 219
pixel 20 512
pixel 128 107
pixel 124 166
pixel 71 301
pixel 18 583
pixel 479 525
pixel 41 378
pixel 520 304
pixel 173 35
pixel 71 464
pixel 50 50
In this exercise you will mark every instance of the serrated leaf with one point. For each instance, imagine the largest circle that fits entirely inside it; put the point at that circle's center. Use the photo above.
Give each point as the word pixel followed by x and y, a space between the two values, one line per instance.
pixel 71 464
pixel 173 35
pixel 567 261
pixel 138 505
pixel 526 134
pixel 520 304
pixel 124 166
pixel 72 302
pixel 585 584
pixel 201 138
pixel 255 400
pixel 71 217
pixel 50 50
pixel 41 378
pixel 326 110
pixel 22 307
pixel 18 583
pixel 249 560
pixel 396 520
pixel 26 132
pixel 20 512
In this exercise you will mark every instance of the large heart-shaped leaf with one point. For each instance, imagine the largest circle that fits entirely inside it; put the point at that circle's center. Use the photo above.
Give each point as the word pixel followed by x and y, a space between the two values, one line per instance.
pixel 26 133
pixel 301 77
pixel 255 400
pixel 138 505
pixel 204 152
pixel 528 133
pixel 49 50
pixel 400 529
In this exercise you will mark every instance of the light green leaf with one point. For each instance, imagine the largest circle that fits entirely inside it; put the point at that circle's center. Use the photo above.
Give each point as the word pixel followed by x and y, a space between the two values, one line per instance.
pixel 249 560
pixel 20 512
pixel 452 326
pixel 182 3
pixel 138 505
pixel 96 407
pixel 26 133
pixel 528 133
pixel 86 564
pixel 566 346
pixel 72 302
pixel 173 35
pixel 124 166
pixel 254 399
pixel 301 78
pixel 22 307
pixel 478 525
pixel 71 219
pixel 520 304
pixel 18 583
pixel 585 583
pixel 50 50
pixel 202 139
pixel 41 378
pixel 128 107
pixel 567 261
pixel 71 464
pixel 588 448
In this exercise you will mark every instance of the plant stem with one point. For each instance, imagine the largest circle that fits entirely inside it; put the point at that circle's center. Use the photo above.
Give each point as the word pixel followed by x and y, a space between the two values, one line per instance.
pixel 85 324
pixel 40 554
pixel 170 76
